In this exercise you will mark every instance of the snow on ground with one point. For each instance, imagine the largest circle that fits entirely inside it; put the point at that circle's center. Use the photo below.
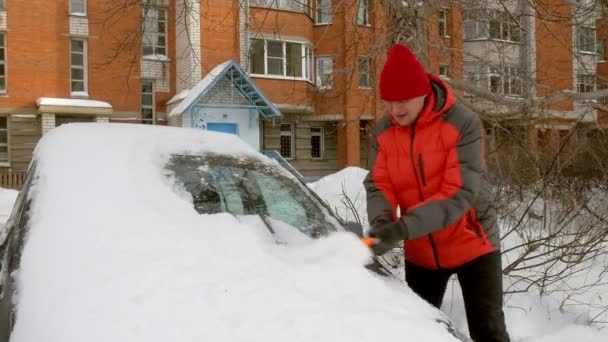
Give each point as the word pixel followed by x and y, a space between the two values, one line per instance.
pixel 529 316
pixel 7 199
pixel 115 253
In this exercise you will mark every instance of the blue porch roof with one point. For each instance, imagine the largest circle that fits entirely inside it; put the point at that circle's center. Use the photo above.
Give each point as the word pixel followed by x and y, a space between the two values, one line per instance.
pixel 240 80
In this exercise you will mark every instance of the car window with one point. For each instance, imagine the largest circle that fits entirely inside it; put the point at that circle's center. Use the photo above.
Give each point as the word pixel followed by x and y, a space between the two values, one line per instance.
pixel 248 187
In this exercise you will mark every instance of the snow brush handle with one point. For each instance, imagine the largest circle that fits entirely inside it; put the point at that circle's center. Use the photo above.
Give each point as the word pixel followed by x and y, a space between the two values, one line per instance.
pixel 369 241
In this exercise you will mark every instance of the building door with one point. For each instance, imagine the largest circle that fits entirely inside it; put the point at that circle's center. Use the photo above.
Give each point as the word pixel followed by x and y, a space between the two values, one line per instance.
pixel 222 127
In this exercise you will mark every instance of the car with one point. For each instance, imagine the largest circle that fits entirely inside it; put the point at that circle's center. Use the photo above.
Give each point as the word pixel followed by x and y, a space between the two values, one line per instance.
pixel 128 232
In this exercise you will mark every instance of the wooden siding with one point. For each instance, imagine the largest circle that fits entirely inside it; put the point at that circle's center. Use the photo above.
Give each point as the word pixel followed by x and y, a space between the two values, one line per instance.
pixel 24 133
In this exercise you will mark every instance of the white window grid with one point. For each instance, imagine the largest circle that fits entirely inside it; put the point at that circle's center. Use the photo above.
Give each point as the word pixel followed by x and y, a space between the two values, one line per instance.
pixel 490 24
pixel 444 70
pixel 77 7
pixel 364 72
pixel 148 112
pixel 323 12
pixel 287 141
pixel 303 6
pixel 317 142
pixel 585 39
pixel 363 13
pixel 154 27
pixel 585 83
pixel 443 22
pixel 504 79
pixel 280 61
pixel 78 67
pixel 324 70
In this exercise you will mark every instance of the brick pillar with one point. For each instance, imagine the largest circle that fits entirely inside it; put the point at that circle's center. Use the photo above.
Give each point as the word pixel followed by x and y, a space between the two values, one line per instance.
pixel 353 142
pixel 48 122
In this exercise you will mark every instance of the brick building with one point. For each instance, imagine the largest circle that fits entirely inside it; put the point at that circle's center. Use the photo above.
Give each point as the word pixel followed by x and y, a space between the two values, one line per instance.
pixel 298 77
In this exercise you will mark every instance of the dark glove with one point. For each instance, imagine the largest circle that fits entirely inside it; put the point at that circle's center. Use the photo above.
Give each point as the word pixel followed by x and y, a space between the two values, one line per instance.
pixel 387 236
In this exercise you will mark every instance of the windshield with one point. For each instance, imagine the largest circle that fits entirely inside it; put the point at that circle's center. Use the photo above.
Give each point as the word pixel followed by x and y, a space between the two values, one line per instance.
pixel 249 187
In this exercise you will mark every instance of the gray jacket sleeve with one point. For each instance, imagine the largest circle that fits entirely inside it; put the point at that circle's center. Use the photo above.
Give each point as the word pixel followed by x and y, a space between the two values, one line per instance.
pixel 380 193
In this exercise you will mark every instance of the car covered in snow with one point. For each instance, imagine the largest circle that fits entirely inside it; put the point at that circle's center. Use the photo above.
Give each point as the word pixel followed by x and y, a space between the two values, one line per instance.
pixel 140 233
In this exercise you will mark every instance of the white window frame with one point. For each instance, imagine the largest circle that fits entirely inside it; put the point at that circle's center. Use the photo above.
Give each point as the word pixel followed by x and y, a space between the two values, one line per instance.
pixel 321 135
pixel 4 63
pixel 363 13
pixel 584 32
pixel 84 67
pixel 152 106
pixel 322 11
pixel 292 140
pixel 587 81
pixel 509 82
pixel 444 70
pixel 300 6
pixel 306 54
pixel 506 27
pixel 366 60
pixel 443 21
pixel 84 7
pixel 600 51
pixel 327 71
pixel 6 161
pixel 473 26
pixel 154 34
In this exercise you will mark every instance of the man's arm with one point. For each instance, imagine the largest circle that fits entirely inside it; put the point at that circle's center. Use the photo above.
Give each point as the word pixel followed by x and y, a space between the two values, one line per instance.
pixel 461 179
pixel 381 197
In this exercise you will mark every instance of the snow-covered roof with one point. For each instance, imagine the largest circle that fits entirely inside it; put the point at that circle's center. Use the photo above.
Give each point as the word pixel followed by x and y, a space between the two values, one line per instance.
pixel 268 109
pixel 116 252
pixel 51 101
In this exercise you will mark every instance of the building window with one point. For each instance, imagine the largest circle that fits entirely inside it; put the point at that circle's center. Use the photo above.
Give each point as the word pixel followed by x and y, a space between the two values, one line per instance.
pixel 484 24
pixel 443 71
pixel 78 7
pixel 585 39
pixel 3 139
pixel 324 10
pixel 502 27
pixel 324 72
pixel 317 142
pixel 364 75
pixel 154 31
pixel 78 67
pixel 2 63
pixel 363 13
pixel 287 141
pixel 599 51
pixel 585 83
pixel 278 58
pixel 443 23
pixel 290 5
pixel 2 4
pixel 504 80
pixel 147 101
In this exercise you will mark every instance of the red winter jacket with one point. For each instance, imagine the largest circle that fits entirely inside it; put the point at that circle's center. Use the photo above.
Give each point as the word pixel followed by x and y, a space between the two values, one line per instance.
pixel 435 171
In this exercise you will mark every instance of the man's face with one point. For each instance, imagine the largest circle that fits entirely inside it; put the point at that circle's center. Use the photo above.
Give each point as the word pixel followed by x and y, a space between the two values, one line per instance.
pixel 405 111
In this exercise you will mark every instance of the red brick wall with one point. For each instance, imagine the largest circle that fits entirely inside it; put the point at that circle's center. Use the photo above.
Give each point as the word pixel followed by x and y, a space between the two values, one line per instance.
pixel 219 32
pixel 554 69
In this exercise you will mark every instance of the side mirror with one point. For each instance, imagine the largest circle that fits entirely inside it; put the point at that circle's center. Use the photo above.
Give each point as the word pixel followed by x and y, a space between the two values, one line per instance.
pixel 355 228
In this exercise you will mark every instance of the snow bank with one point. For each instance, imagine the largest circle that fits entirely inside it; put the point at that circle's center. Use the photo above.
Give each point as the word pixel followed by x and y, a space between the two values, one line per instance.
pixel 114 253
pixel 529 316
pixel 7 199
pixel 344 191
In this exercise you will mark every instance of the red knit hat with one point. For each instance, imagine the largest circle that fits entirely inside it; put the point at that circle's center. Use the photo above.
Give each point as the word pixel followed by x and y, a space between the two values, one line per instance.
pixel 403 76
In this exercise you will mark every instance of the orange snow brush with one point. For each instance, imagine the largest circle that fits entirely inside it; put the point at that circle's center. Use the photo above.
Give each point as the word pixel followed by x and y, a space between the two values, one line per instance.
pixel 369 241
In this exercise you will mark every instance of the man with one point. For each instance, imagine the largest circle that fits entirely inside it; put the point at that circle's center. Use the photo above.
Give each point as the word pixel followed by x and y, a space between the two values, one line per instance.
pixel 427 159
